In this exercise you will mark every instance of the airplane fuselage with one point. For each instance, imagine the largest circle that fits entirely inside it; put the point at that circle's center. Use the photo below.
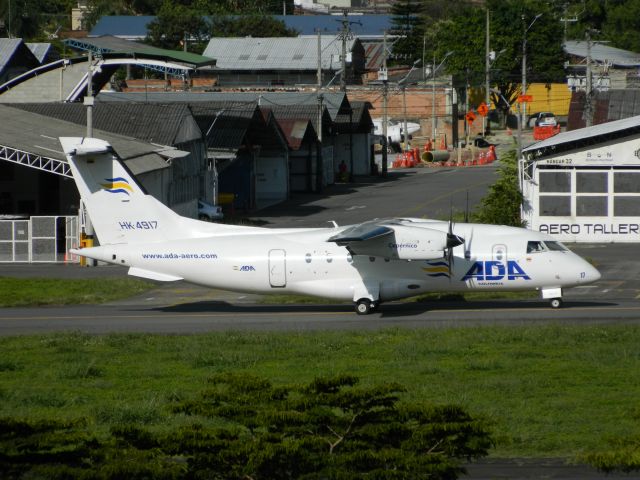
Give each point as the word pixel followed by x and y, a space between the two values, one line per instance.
pixel 305 262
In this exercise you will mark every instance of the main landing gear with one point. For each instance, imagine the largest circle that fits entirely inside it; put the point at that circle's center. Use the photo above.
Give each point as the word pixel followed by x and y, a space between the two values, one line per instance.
pixel 365 306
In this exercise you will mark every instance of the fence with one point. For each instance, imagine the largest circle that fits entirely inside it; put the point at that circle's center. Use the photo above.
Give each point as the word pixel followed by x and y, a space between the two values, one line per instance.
pixel 39 239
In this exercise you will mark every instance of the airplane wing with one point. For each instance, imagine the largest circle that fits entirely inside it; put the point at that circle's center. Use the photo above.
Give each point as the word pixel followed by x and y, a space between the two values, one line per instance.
pixel 360 233
pixel 393 240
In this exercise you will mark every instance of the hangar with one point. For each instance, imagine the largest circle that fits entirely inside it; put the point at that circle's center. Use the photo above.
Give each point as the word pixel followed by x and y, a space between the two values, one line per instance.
pixel 584 185
pixel 35 180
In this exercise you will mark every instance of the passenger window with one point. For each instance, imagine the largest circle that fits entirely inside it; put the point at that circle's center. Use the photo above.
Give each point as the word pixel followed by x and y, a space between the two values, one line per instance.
pixel 533 247
pixel 555 246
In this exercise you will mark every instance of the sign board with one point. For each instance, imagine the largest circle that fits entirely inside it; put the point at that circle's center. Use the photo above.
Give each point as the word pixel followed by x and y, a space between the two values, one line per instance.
pixel 470 116
pixel 525 99
pixel 483 109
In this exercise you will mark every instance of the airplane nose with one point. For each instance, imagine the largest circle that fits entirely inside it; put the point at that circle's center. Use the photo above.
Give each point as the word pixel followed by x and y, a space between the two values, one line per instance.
pixel 589 274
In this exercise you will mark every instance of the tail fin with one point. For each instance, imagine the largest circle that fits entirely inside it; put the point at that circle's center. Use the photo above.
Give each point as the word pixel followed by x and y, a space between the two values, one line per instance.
pixel 119 208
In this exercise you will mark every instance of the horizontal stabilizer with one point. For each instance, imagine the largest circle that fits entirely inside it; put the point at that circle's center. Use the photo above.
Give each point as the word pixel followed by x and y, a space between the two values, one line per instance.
pixel 151 275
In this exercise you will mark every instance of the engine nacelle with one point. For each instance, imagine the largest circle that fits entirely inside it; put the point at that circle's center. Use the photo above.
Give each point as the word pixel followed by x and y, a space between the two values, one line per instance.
pixel 406 243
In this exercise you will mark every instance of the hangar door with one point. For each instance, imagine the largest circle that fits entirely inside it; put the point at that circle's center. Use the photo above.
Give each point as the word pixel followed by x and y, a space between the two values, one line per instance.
pixel 271 181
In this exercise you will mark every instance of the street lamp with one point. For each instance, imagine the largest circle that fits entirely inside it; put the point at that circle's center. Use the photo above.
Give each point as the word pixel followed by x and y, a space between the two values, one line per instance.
pixel 433 92
pixel 491 57
pixel 524 60
pixel 403 86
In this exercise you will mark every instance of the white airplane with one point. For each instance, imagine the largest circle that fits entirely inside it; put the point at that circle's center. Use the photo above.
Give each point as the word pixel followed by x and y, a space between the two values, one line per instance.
pixel 369 263
pixel 394 130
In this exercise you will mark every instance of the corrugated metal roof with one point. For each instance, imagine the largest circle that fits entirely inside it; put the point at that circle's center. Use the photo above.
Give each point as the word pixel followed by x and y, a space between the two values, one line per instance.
pixel 157 123
pixel 300 112
pixel 109 44
pixel 603 53
pixel 8 46
pixel 360 25
pixel 38 135
pixel 365 25
pixel 226 124
pixel 358 121
pixel 587 135
pixel 281 53
pixel 40 50
pixel 333 101
pixel 123 26
pixel 373 54
pixel 297 132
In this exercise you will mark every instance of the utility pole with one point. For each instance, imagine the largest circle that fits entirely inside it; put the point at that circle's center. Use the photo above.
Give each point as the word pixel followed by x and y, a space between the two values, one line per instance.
pixel 385 92
pixel 487 70
pixel 343 36
pixel 319 74
pixel 88 100
pixel 433 99
pixel 588 113
pixel 525 29
pixel 319 163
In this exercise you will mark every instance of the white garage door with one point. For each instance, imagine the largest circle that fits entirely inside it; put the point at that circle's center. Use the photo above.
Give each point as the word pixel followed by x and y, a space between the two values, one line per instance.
pixel 271 181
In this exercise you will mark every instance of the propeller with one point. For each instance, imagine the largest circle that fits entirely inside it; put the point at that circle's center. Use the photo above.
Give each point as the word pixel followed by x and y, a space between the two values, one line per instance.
pixel 466 210
pixel 453 241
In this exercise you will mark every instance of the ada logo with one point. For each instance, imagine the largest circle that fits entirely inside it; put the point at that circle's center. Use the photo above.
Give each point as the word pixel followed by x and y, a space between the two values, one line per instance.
pixel 492 270
pixel 245 268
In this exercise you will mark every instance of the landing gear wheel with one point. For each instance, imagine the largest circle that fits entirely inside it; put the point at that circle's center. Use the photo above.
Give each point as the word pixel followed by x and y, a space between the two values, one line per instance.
pixel 556 302
pixel 363 306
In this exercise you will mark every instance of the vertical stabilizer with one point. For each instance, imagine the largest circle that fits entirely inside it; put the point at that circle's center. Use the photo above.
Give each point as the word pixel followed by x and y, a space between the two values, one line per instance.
pixel 119 208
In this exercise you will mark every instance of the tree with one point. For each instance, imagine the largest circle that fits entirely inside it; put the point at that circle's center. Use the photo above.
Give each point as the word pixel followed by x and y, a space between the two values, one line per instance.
pixel 328 429
pixel 464 34
pixel 501 206
pixel 259 26
pixel 408 26
pixel 242 427
pixel 622 25
pixel 176 23
pixel 100 8
pixel 242 7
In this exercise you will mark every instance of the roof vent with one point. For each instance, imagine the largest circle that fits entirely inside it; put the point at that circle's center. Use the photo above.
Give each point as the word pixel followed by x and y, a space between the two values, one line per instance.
pixel 243 57
pixel 261 57
pixel 298 56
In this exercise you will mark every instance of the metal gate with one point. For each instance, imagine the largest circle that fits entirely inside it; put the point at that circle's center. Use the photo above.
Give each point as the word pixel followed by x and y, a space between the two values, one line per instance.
pixel 39 239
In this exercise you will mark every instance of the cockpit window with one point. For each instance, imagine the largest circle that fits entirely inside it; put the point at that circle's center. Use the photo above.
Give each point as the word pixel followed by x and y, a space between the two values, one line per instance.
pixel 534 246
pixel 555 246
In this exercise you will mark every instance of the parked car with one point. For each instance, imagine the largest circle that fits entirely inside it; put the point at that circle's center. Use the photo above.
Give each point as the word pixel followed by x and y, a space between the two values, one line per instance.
pixel 209 212
pixel 543 119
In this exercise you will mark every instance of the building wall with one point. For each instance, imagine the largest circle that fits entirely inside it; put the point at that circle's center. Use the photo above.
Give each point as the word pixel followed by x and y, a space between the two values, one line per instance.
pixel 588 195
pixel 554 97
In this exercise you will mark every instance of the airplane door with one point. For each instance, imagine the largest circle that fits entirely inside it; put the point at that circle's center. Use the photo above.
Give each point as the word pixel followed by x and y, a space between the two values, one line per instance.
pixel 500 252
pixel 277 268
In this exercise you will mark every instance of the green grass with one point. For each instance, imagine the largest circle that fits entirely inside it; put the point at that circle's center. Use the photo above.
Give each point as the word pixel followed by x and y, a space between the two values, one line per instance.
pixel 548 391
pixel 20 292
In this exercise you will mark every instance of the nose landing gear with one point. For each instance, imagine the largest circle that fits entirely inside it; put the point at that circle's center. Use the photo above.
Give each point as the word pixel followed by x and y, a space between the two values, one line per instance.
pixel 554 295
pixel 365 306
pixel 555 302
